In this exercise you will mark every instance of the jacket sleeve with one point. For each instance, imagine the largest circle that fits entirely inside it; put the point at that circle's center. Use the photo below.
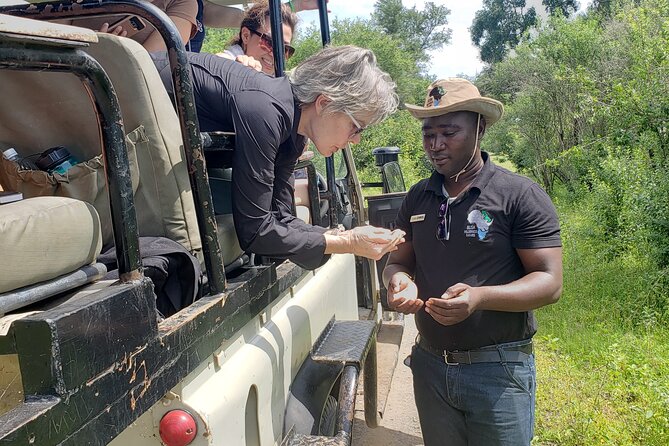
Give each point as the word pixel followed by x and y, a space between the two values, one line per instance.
pixel 261 221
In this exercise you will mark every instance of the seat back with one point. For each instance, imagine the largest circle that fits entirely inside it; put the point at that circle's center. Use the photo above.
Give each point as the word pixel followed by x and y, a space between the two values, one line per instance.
pixel 42 110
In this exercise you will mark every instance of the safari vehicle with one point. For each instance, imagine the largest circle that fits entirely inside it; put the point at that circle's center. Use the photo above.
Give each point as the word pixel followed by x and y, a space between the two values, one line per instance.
pixel 258 352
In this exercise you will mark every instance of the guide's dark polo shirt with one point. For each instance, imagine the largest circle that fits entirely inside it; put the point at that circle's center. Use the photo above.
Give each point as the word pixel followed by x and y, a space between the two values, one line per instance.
pixel 519 215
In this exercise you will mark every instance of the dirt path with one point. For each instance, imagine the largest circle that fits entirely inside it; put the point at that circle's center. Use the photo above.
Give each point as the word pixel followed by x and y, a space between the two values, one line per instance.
pixel 399 426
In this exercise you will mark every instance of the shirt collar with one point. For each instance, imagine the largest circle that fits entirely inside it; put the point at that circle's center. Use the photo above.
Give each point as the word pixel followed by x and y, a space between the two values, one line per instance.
pixel 480 182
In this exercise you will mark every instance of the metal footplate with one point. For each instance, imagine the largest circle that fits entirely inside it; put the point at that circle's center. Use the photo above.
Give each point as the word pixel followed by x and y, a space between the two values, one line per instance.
pixel 353 345
pixel 345 342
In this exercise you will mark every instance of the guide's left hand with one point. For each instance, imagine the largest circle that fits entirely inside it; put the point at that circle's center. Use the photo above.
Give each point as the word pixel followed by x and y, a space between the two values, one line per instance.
pixel 454 306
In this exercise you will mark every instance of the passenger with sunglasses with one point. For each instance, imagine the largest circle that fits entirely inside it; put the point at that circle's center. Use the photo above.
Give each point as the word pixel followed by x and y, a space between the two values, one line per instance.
pixel 329 98
pixel 253 45
pixel 482 251
pixel 213 15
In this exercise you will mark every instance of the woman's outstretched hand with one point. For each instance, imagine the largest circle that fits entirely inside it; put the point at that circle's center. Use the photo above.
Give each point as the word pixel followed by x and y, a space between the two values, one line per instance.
pixel 365 241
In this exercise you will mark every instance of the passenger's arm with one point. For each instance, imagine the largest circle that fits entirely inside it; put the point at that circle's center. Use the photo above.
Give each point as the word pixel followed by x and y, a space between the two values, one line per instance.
pixel 305 5
pixel 218 16
pixel 183 13
pixel 260 220
pixel 155 41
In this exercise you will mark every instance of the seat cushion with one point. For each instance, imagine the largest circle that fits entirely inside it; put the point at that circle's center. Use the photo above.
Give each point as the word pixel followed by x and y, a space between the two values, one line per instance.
pixel 45 237
pixel 227 236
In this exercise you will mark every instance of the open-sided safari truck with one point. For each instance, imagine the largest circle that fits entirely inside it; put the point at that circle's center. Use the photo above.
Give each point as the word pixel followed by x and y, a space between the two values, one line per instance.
pixel 220 347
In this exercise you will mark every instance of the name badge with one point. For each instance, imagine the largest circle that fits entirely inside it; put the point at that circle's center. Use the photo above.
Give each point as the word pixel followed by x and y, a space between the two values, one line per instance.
pixel 415 218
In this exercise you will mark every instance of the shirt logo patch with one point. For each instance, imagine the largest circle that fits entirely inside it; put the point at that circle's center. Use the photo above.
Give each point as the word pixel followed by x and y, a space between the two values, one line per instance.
pixel 479 224
pixel 418 217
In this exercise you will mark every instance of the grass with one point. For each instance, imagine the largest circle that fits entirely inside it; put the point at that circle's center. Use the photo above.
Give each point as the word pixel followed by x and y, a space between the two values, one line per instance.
pixel 603 349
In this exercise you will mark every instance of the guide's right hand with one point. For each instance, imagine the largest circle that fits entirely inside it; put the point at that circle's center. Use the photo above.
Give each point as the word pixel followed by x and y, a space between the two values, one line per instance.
pixel 403 294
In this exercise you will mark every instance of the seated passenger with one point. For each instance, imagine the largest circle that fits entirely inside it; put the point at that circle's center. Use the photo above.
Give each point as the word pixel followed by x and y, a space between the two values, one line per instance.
pixel 331 97
pixel 213 15
pixel 253 45
pixel 181 12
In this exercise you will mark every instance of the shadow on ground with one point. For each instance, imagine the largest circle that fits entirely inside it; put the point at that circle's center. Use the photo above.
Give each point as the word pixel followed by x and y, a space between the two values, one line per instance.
pixel 388 437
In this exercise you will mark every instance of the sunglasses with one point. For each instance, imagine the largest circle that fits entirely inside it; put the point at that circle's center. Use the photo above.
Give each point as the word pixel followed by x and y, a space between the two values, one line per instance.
pixel 267 44
pixel 358 128
pixel 444 226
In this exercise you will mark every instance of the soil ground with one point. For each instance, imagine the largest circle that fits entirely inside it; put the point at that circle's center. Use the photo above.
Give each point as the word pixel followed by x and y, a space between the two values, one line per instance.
pixel 399 425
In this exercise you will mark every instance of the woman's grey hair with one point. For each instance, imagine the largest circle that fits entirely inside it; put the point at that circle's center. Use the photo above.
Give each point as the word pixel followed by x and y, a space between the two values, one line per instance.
pixel 350 78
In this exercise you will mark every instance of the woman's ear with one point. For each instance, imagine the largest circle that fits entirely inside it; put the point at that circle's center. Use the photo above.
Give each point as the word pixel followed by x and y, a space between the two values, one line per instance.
pixel 244 35
pixel 321 104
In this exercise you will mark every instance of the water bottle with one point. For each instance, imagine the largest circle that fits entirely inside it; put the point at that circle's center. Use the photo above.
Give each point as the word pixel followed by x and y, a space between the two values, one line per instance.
pixel 56 160
pixel 12 155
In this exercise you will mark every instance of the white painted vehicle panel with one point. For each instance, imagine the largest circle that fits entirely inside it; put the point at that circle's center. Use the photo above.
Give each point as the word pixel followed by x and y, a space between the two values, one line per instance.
pixel 238 395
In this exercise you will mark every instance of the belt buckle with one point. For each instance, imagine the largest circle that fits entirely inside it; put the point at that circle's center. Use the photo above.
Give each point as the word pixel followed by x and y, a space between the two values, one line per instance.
pixel 446 354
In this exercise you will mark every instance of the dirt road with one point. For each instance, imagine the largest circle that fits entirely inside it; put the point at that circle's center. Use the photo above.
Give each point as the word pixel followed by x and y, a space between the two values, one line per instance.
pixel 399 426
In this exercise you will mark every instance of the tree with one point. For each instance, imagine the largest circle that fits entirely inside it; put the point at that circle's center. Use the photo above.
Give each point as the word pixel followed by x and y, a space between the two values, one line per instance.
pixel 417 31
pixel 403 67
pixel 564 7
pixel 499 26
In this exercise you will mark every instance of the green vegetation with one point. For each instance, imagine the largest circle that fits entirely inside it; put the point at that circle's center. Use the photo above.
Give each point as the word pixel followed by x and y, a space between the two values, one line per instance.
pixel 603 359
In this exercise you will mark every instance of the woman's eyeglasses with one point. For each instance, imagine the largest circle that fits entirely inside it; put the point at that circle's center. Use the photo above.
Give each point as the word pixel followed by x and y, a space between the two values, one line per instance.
pixel 358 128
pixel 444 226
pixel 268 44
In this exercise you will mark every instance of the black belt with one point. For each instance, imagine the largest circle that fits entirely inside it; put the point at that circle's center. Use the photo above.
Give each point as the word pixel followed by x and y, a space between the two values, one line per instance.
pixel 518 353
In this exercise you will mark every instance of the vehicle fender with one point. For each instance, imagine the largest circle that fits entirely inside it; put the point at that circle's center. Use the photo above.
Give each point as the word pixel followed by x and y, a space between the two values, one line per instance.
pixel 308 396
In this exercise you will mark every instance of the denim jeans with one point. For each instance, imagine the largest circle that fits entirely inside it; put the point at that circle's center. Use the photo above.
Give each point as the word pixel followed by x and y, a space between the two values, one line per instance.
pixel 483 404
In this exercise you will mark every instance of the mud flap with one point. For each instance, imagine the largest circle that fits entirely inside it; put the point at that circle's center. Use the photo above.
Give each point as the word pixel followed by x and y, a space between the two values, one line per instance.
pixel 340 353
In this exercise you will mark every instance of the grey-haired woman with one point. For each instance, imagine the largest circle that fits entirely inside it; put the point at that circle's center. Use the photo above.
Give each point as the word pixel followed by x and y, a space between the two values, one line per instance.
pixel 330 98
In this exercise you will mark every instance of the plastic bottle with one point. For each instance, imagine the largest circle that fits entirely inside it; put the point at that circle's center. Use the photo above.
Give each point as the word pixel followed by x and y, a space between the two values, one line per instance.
pixel 12 155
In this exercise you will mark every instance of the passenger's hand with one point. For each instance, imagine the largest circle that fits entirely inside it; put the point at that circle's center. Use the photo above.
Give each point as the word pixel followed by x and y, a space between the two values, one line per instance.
pixel 249 61
pixel 455 305
pixel 117 31
pixel 306 155
pixel 372 242
pixel 403 294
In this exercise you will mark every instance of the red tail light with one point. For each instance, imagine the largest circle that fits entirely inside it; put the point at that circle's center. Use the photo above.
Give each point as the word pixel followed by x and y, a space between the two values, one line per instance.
pixel 177 428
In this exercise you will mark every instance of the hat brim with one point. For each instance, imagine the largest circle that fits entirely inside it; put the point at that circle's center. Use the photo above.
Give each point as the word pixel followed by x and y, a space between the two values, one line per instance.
pixel 491 109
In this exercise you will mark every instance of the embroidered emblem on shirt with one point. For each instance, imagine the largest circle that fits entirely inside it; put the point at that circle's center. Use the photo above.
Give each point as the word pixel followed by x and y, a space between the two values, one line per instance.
pixel 418 217
pixel 479 224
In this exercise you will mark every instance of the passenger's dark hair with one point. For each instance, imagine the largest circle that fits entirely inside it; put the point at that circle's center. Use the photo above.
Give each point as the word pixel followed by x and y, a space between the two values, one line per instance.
pixel 257 15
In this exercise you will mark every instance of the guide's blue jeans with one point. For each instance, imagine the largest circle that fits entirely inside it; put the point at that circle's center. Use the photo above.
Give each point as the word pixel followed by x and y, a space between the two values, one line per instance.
pixel 483 404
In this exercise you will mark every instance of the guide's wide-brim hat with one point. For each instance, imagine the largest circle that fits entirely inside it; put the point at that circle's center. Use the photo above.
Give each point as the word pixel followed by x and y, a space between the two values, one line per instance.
pixel 455 94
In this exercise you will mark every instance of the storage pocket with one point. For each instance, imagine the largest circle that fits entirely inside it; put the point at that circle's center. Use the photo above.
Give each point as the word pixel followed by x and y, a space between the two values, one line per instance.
pixel 84 181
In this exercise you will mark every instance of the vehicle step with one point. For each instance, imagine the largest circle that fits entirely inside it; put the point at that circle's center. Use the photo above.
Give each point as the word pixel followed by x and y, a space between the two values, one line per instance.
pixel 345 342
pixel 389 339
